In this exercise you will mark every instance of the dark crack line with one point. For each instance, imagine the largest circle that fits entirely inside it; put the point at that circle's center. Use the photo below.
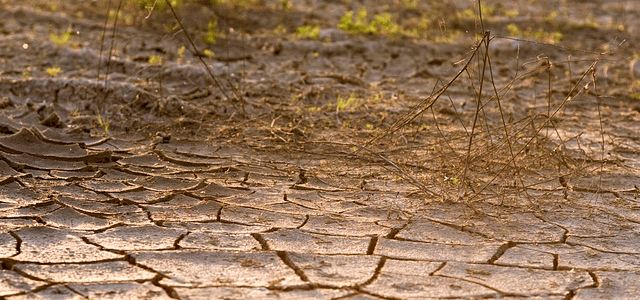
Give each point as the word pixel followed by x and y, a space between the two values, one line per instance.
pixel 349 296
pixel 297 287
pixel 596 280
pixel 501 250
pixel 263 243
pixel 9 264
pixel 287 261
pixel 101 230
pixel 556 259
pixel 34 291
pixel 565 234
pixel 38 219
pixel 376 273
pixel 392 234
pixel 148 213
pixel 18 243
pixel 171 292
pixel 306 219
pixel 462 228
pixel 83 211
pixel 156 279
pixel 185 163
pixel 286 199
pixel 442 265
pixel 17 179
pixel 502 294
pixel 162 199
pixel 372 245
pixel 76 292
pixel 570 295
pixel 102 248
pixel 394 231
pixel 601 250
pixel 219 214
pixel 176 243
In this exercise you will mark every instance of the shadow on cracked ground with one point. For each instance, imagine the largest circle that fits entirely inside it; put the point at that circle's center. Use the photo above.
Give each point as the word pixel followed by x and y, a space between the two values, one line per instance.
pixel 405 155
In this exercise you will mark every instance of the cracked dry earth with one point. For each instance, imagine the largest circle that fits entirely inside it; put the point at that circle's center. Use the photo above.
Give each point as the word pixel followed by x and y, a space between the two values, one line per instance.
pixel 88 217
pixel 108 218
pixel 257 210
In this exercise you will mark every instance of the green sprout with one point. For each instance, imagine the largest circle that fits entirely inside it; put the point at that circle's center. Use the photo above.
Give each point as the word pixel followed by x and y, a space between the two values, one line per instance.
pixel 53 72
pixel 279 30
pixel 60 39
pixel 540 35
pixel 359 25
pixel 634 90
pixel 103 124
pixel 208 53
pixel 471 14
pixel 181 54
pixel 212 32
pixel 410 4
pixel 343 103
pixel 308 32
pixel 314 109
pixel 236 3
pixel 155 59
pixel 381 24
pixel 286 4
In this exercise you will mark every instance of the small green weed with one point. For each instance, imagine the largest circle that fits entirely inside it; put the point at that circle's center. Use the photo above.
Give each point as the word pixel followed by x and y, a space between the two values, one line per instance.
pixel 212 32
pixel 511 13
pixel 102 123
pixel 591 22
pixel 280 30
pixel 314 109
pixel 52 6
pixel 308 32
pixel 236 3
pixel 344 104
pixel 60 39
pixel 208 53
pixel 410 4
pixel 472 14
pixel 382 24
pixel 359 25
pixel 181 54
pixel 286 4
pixel 634 90
pixel 540 35
pixel 552 17
pixel 53 72
pixel 155 59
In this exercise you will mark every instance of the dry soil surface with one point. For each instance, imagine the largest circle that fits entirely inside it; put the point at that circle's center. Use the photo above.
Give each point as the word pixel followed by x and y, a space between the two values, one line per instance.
pixel 460 157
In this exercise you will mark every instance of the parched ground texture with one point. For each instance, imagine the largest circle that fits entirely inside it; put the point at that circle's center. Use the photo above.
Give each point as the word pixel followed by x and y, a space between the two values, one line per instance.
pixel 417 151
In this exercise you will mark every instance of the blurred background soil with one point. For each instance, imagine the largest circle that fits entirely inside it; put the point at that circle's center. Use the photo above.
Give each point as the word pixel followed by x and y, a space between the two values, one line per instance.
pixel 553 96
